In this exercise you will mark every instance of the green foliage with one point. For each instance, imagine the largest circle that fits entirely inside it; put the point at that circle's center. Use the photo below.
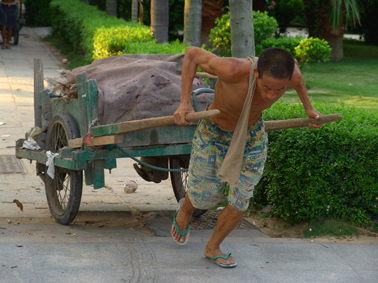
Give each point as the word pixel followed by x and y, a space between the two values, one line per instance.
pixel 285 11
pixel 176 12
pixel 38 13
pixel 329 172
pixel 93 32
pixel 369 24
pixel 286 43
pixel 220 36
pixel 312 50
pixel 151 47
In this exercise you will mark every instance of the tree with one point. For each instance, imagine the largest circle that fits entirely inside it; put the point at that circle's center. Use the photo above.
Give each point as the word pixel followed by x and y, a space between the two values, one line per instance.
pixel 160 19
pixel 134 10
pixel 242 34
pixel 192 22
pixel 111 7
pixel 332 18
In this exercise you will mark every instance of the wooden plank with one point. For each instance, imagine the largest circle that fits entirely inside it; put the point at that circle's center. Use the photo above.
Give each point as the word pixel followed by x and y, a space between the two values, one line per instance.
pixel 82 91
pixel 136 125
pixel 269 126
pixel 38 87
pixel 300 122
pixel 46 112
pixel 206 75
pixel 97 141
pixel 92 101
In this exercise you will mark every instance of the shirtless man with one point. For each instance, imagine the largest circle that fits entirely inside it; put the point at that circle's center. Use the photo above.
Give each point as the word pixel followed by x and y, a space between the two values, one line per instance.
pixel 276 72
pixel 8 15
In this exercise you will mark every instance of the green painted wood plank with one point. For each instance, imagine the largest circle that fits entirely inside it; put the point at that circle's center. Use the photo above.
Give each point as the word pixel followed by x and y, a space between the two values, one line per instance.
pixel 41 157
pixel 82 91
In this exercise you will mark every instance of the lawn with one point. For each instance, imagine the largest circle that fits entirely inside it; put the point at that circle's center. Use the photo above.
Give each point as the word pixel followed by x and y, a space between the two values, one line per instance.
pixel 353 80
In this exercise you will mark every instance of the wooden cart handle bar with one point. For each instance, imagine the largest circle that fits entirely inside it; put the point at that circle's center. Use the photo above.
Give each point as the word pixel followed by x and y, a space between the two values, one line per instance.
pixel 300 122
pixel 107 135
pixel 135 125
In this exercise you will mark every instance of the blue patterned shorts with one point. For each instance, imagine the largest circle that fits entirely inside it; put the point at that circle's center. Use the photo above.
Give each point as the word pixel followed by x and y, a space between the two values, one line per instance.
pixel 209 147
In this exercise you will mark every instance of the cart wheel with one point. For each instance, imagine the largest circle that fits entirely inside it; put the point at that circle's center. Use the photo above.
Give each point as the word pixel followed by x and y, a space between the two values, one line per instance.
pixel 16 35
pixel 64 191
pixel 180 180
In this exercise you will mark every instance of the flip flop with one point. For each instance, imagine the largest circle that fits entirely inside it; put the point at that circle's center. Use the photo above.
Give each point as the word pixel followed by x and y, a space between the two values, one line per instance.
pixel 182 233
pixel 225 258
pixel 3 47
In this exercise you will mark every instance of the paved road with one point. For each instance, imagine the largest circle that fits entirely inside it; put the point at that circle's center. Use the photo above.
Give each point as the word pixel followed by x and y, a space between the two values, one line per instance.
pixel 120 237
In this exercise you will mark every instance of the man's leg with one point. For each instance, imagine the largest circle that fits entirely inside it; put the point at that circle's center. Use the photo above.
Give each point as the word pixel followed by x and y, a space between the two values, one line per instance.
pixel 9 36
pixel 183 218
pixel 4 35
pixel 227 221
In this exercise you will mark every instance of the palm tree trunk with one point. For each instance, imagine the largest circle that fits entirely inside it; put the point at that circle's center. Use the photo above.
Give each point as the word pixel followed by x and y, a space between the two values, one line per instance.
pixel 111 7
pixel 242 33
pixel 333 35
pixel 134 10
pixel 192 22
pixel 160 19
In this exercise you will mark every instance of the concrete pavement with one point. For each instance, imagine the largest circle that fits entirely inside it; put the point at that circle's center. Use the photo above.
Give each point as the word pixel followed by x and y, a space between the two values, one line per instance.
pixel 120 237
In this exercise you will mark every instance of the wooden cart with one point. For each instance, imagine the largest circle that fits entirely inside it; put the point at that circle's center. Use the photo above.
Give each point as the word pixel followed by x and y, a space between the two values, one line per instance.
pixel 66 123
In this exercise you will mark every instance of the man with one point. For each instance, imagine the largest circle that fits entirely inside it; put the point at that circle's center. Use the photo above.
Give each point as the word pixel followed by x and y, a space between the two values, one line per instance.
pixel 276 71
pixel 8 15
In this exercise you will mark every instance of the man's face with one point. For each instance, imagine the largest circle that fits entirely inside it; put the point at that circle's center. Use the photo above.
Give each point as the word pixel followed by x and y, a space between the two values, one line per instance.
pixel 271 89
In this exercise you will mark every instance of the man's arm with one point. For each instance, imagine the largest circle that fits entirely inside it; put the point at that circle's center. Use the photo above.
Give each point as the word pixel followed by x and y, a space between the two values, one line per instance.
pixel 227 70
pixel 299 85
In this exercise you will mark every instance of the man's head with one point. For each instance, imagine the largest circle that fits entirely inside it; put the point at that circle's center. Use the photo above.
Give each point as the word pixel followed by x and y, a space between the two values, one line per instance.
pixel 276 63
pixel 275 68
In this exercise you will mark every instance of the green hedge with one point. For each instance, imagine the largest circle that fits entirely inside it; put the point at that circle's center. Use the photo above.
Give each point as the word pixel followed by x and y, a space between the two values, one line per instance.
pixel 93 32
pixel 287 43
pixel 329 172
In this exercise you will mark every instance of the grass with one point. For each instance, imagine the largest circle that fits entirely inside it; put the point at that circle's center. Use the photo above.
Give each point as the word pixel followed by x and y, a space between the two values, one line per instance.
pixel 353 80
pixel 329 228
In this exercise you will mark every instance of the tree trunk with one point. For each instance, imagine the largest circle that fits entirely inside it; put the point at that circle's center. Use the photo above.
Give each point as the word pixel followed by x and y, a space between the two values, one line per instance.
pixel 242 34
pixel 192 22
pixel 111 7
pixel 160 19
pixel 134 10
pixel 325 30
pixel 211 10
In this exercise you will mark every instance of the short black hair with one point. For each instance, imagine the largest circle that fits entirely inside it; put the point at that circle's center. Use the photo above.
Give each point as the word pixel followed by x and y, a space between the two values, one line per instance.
pixel 276 63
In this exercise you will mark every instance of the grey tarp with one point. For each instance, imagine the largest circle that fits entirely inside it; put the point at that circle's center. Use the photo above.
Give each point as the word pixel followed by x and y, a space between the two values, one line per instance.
pixel 139 86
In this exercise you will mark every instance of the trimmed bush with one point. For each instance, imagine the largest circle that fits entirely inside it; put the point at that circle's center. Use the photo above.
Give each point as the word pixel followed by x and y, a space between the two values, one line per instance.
pixel 287 43
pixel 220 36
pixel 151 47
pixel 329 172
pixel 312 50
pixel 93 32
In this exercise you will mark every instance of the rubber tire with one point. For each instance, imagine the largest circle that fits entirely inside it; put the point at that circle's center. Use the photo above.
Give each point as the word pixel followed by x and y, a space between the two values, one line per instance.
pixel 16 36
pixel 64 191
pixel 179 180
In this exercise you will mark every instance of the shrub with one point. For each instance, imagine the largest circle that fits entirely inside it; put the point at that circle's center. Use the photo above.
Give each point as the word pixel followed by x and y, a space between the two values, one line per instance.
pixel 93 32
pixel 38 13
pixel 312 50
pixel 329 172
pixel 220 36
pixel 151 47
pixel 287 43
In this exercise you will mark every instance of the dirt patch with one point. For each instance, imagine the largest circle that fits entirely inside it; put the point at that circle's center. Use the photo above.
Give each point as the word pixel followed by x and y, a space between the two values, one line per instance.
pixel 57 53
pixel 277 228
